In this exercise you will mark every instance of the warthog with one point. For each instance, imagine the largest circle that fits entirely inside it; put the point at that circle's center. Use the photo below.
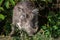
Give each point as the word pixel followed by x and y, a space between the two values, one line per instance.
pixel 25 17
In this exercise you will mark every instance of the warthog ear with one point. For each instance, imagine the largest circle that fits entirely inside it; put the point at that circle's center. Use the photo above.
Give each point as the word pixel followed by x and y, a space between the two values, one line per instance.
pixel 35 11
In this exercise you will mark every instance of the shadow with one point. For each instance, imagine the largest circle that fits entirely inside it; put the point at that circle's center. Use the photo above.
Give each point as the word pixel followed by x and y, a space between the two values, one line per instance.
pixel 42 18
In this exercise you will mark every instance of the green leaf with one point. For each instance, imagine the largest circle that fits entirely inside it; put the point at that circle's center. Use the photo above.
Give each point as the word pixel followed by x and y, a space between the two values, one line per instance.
pixel 1 8
pixel 44 27
pixel 43 0
pixel 47 32
pixel 2 17
pixel 1 2
pixel 55 27
pixel 58 17
pixel 49 20
pixel 12 2
pixel 49 0
pixel 7 4
pixel 58 23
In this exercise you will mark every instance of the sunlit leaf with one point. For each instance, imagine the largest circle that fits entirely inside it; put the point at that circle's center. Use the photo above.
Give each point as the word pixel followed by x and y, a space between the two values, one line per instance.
pixel 44 27
pixel 47 32
pixel 1 8
pixel 49 20
pixel 7 4
pixel 2 17
pixel 55 27
pixel 12 2
pixel 1 2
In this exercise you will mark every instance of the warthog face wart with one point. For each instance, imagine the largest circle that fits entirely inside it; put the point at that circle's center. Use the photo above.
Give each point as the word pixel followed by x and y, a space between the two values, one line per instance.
pixel 25 17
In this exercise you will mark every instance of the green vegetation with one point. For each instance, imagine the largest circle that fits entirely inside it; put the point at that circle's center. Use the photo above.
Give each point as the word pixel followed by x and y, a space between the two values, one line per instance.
pixel 47 30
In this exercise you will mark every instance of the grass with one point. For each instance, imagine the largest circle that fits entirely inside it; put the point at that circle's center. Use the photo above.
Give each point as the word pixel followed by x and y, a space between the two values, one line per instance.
pixel 38 36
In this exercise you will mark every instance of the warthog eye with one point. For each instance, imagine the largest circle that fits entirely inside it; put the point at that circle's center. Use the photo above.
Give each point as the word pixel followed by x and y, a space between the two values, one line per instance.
pixel 20 9
pixel 27 16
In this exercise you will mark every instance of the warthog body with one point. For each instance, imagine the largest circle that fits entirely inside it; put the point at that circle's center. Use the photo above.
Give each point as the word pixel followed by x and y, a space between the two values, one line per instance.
pixel 25 17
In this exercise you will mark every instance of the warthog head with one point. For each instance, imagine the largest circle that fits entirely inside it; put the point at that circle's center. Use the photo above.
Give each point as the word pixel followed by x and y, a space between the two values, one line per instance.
pixel 25 17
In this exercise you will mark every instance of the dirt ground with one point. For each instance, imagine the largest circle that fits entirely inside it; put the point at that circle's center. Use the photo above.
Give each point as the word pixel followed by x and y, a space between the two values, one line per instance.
pixel 11 38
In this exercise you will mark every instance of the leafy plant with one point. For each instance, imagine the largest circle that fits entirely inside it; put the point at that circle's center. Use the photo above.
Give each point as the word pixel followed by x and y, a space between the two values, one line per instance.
pixel 51 28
